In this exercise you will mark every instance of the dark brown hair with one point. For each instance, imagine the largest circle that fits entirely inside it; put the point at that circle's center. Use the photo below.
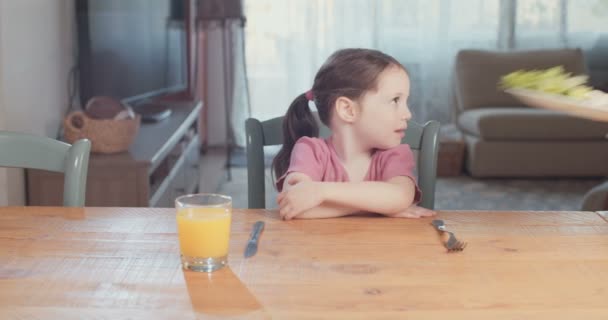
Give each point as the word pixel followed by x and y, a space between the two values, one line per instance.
pixel 346 73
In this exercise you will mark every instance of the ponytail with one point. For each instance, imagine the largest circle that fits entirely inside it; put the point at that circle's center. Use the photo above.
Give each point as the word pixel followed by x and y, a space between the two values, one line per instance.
pixel 298 122
pixel 346 73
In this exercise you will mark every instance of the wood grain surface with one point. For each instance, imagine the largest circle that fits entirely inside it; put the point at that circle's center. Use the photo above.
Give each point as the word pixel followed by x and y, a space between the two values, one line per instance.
pixel 123 263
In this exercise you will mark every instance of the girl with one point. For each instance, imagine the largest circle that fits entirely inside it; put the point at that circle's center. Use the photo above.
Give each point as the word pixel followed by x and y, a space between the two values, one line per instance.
pixel 361 95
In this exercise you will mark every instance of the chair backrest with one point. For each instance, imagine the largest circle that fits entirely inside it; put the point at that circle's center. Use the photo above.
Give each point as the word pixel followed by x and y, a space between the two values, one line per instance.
pixel 20 150
pixel 596 198
pixel 420 138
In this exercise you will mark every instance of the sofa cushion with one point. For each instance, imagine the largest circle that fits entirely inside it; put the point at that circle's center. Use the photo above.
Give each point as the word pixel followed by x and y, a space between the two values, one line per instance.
pixel 501 124
pixel 477 72
pixel 536 158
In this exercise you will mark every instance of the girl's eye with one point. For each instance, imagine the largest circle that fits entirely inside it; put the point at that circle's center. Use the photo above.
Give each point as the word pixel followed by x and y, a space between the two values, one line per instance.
pixel 396 100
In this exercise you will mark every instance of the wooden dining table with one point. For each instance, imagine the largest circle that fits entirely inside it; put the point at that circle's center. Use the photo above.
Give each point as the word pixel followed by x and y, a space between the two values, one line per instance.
pixel 123 263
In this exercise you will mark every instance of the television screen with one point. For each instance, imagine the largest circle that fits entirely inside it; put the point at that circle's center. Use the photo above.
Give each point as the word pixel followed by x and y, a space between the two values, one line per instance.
pixel 131 50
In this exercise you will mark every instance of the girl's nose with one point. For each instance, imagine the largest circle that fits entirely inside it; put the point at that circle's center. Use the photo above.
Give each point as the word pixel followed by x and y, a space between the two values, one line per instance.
pixel 407 115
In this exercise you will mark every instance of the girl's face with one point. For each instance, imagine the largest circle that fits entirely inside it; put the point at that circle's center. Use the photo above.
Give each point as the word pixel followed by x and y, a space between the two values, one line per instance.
pixel 384 112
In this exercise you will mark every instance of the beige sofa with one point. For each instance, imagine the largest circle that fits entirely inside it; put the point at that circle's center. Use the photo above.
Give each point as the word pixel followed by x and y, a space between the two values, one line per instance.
pixel 507 139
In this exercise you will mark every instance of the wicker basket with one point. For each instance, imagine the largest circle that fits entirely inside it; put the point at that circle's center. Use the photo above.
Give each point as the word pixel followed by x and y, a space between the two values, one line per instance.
pixel 106 135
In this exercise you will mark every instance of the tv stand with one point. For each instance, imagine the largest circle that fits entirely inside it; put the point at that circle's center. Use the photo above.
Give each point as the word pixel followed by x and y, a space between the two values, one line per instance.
pixel 161 164
pixel 152 111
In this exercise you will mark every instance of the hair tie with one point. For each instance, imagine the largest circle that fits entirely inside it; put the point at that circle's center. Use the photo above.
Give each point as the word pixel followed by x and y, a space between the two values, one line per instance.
pixel 309 95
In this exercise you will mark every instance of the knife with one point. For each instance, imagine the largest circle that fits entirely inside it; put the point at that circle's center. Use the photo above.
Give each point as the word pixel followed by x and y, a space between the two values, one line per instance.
pixel 252 244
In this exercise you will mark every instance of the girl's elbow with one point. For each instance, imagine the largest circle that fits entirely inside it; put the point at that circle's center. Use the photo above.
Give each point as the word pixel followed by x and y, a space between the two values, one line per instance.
pixel 410 196
pixel 404 202
pixel 399 206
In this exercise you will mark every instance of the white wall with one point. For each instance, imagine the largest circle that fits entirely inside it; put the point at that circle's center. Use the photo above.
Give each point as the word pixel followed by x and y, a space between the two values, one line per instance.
pixel 36 54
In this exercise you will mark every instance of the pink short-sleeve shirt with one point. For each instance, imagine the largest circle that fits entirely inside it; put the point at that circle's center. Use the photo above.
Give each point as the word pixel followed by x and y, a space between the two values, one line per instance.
pixel 317 159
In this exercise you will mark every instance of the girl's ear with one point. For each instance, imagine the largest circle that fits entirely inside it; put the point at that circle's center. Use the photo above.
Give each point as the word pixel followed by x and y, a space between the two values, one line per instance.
pixel 346 109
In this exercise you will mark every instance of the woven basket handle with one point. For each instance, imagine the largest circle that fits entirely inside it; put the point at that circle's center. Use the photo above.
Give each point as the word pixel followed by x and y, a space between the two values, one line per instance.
pixel 76 121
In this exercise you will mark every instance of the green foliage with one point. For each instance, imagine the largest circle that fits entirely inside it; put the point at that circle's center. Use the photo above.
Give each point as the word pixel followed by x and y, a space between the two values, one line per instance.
pixel 553 80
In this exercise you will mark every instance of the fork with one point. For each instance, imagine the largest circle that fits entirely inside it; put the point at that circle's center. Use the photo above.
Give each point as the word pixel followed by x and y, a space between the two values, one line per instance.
pixel 452 244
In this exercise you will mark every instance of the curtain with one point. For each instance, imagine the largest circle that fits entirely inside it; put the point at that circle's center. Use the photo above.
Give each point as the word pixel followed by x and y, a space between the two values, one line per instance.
pixel 241 107
pixel 287 41
pixel 567 24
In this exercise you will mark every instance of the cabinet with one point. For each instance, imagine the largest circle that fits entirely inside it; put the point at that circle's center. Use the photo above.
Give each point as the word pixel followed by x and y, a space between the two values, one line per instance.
pixel 161 164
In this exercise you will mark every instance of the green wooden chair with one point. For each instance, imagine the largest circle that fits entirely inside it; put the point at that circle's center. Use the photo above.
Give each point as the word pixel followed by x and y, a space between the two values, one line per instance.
pixel 421 138
pixel 20 150
pixel 596 199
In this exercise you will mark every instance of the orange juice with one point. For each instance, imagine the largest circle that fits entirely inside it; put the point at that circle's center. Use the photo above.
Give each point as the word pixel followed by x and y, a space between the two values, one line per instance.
pixel 203 232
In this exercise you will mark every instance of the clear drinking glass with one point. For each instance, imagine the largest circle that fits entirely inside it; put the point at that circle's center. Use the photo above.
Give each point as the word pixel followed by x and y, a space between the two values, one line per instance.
pixel 203 228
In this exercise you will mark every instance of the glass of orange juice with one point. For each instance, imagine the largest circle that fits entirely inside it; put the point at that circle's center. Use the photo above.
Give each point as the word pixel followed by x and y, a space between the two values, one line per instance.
pixel 203 229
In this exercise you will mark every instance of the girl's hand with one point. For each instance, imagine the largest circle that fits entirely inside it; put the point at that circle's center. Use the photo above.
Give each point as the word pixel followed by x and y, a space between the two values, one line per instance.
pixel 414 211
pixel 302 195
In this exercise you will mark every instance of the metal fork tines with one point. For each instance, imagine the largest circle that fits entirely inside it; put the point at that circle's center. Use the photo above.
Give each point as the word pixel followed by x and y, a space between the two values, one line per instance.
pixel 452 244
